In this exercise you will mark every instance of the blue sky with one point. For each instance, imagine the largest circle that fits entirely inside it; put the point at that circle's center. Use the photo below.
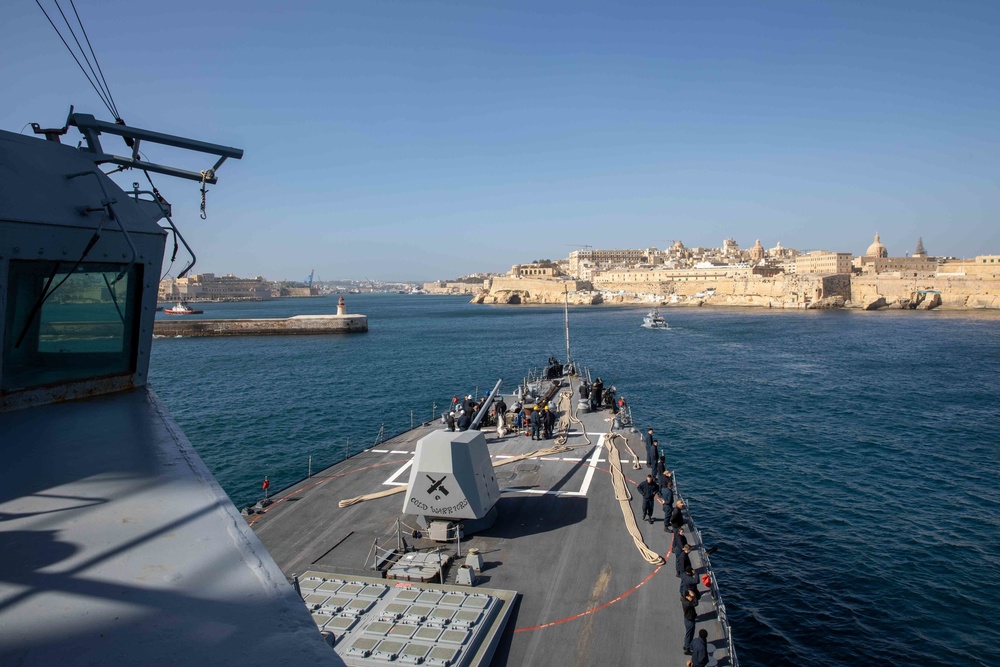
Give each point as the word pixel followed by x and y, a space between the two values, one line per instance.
pixel 424 140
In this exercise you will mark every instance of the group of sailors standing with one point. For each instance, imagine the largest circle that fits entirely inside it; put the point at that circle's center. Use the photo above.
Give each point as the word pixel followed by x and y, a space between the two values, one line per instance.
pixel 659 486
pixel 463 411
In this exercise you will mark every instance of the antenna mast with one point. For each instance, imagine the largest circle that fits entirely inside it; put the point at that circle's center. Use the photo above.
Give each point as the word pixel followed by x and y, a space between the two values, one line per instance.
pixel 566 313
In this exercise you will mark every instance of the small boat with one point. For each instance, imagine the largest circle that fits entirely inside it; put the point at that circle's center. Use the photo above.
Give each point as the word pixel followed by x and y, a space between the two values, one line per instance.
pixel 654 320
pixel 182 309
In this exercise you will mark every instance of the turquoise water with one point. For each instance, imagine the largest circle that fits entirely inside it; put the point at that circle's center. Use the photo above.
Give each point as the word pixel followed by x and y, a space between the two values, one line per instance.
pixel 845 463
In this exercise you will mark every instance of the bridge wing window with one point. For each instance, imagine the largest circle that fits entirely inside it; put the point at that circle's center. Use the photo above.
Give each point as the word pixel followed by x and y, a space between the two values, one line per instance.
pixel 65 327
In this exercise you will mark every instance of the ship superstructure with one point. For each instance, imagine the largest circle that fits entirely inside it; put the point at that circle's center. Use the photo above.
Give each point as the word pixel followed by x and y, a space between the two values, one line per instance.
pixel 118 545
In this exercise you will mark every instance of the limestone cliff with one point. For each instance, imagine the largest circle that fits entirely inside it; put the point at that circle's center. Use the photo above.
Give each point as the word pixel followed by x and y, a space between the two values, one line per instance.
pixel 537 291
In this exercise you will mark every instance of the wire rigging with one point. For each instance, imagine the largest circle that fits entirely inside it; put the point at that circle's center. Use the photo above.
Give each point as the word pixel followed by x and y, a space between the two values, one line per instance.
pixel 107 88
pixel 98 83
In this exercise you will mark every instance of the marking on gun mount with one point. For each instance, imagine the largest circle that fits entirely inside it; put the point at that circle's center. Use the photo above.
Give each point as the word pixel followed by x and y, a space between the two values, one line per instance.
pixel 437 485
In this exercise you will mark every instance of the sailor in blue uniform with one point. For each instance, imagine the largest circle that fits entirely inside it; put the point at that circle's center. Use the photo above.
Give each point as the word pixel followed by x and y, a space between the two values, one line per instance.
pixel 536 424
pixel 651 454
pixel 689 603
pixel 649 490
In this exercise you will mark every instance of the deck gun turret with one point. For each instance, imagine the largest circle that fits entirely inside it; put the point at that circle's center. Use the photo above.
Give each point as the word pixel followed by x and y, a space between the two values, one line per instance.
pixel 452 488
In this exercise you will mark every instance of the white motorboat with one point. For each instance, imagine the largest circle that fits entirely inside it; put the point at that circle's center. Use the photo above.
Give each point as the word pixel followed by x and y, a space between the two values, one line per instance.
pixel 653 320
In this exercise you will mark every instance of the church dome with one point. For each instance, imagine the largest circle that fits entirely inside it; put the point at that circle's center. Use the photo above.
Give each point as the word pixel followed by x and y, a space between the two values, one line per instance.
pixel 757 252
pixel 876 249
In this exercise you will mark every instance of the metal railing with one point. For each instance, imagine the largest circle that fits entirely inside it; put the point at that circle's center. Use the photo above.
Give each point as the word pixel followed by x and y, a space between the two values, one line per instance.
pixel 720 606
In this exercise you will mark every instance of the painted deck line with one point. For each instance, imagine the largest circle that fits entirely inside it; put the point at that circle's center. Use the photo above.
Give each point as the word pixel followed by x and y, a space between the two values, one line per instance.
pixel 380 451
pixel 537 492
pixel 399 451
pixel 392 478
pixel 592 466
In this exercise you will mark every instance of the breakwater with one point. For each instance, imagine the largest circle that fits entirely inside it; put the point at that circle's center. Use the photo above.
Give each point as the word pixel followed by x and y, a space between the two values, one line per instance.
pixel 287 326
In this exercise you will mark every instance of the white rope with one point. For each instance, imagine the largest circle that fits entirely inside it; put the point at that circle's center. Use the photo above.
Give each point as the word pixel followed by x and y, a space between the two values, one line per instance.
pixel 623 496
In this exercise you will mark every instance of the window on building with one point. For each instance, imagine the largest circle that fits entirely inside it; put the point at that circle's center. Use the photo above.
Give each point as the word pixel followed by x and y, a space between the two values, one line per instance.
pixel 64 327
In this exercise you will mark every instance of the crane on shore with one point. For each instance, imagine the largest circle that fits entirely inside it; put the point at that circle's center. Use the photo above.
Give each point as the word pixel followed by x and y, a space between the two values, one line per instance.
pixel 309 280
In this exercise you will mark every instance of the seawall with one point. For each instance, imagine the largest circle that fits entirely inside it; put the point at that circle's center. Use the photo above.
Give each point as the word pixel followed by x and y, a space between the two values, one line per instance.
pixel 289 326
pixel 870 292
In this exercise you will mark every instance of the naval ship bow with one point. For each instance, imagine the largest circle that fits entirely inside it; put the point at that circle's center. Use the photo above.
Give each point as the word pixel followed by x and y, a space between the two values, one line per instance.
pixel 487 546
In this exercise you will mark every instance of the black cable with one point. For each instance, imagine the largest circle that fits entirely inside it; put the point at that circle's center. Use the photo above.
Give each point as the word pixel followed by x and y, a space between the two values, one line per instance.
pixel 96 62
pixel 107 94
pixel 96 89
pixel 114 297
pixel 173 227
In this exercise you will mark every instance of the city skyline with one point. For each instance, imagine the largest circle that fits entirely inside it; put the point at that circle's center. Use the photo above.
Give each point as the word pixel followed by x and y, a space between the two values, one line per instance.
pixel 420 141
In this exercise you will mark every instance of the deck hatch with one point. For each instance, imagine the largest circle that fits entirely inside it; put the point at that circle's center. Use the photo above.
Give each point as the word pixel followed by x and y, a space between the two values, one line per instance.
pixel 341 623
pixel 412 624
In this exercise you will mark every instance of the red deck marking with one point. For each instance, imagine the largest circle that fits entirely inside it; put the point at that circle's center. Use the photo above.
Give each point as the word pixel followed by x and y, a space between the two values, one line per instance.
pixel 597 608
pixel 258 515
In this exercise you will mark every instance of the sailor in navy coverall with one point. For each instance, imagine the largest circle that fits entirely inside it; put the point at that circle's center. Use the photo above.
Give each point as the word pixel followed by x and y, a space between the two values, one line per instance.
pixel 651 453
pixel 649 490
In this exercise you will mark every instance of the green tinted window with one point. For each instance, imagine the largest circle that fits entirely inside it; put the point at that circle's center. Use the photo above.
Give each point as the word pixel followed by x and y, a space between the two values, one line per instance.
pixel 64 326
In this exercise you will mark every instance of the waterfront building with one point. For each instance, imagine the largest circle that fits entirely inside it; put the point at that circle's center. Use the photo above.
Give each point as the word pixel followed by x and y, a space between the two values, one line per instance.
pixel 208 286
pixel 601 259
pixel 984 266
pixel 702 272
pixel 534 270
pixel 823 262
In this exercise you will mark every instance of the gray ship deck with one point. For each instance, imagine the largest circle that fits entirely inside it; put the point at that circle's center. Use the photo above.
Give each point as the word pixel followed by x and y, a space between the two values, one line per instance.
pixel 587 596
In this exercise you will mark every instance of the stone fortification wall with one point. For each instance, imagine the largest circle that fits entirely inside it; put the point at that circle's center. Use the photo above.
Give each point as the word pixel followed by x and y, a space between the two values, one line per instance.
pixel 957 291
pixel 781 291
pixel 447 287
pixel 537 291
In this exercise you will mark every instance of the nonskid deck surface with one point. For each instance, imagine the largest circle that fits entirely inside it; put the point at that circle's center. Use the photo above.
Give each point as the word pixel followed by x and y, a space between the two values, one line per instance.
pixel 587 596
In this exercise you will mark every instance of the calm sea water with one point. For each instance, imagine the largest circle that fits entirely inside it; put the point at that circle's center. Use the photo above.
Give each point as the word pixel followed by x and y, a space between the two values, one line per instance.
pixel 845 463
